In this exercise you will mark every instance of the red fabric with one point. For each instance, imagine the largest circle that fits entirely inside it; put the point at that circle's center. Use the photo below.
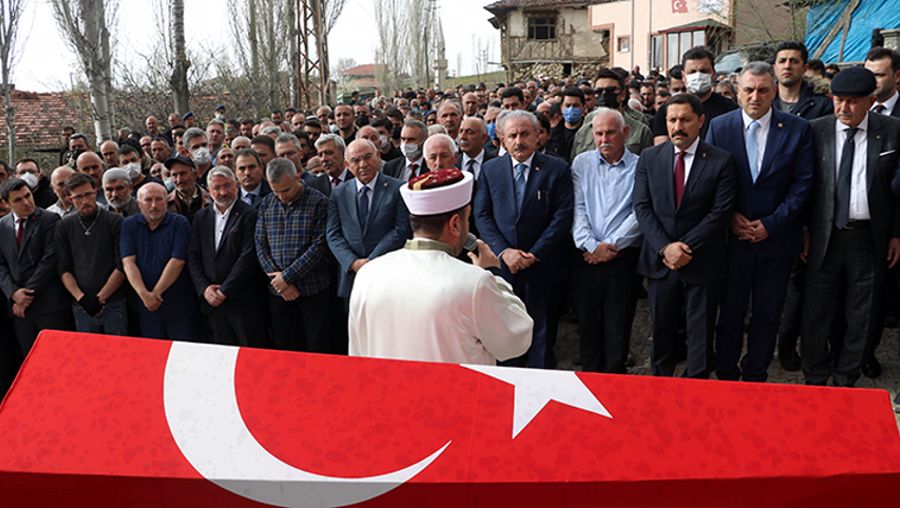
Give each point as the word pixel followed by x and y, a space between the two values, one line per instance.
pixel 679 177
pixel 434 179
pixel 679 6
pixel 84 425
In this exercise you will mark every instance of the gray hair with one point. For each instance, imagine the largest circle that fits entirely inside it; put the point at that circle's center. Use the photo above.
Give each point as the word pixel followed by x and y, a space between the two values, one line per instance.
pixel 279 168
pixel 517 114
pixel 601 111
pixel 436 138
pixel 434 130
pixel 416 124
pixel 759 69
pixel 268 131
pixel 216 121
pixel 114 174
pixel 240 138
pixel 190 134
pixel 332 138
pixel 223 171
pixel 288 138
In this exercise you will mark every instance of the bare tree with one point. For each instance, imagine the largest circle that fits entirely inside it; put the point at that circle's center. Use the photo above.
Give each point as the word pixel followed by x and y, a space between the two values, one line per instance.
pixel 260 33
pixel 393 29
pixel 333 10
pixel 179 62
pixel 85 26
pixel 10 14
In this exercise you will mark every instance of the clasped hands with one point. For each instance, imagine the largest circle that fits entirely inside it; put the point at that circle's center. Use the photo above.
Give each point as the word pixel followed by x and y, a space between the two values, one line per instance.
pixel 517 260
pixel 604 253
pixel 285 289
pixel 752 231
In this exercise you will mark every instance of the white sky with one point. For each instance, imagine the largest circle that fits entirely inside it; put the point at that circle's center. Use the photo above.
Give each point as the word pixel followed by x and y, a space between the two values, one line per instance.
pixel 46 63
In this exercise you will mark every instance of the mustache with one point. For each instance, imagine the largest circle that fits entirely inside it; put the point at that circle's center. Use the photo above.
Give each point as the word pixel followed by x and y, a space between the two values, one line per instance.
pixel 607 145
pixel 679 133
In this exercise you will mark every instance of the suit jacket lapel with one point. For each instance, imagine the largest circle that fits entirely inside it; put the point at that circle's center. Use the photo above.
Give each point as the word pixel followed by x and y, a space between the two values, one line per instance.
pixel 697 167
pixel 229 224
pixel 30 225
pixel 533 183
pixel 774 141
pixel 352 205
pixel 377 197
pixel 874 142
pixel 668 174
pixel 505 184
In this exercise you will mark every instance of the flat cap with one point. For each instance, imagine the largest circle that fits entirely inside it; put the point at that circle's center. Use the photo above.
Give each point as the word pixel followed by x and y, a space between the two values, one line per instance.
pixel 853 82
pixel 187 115
pixel 179 159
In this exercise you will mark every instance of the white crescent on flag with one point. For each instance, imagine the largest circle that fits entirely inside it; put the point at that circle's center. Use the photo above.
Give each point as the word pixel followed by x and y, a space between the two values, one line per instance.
pixel 205 420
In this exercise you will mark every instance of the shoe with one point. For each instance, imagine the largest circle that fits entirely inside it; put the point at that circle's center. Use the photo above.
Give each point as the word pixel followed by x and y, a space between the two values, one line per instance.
pixel 789 359
pixel 871 368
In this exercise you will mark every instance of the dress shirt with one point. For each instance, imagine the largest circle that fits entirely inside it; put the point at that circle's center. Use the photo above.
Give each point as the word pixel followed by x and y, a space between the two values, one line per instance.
pixel 246 198
pixel 291 239
pixel 371 186
pixel 407 172
pixel 58 209
pixel 859 198
pixel 476 168
pixel 221 220
pixel 688 159
pixel 888 104
pixel 762 134
pixel 527 163
pixel 603 210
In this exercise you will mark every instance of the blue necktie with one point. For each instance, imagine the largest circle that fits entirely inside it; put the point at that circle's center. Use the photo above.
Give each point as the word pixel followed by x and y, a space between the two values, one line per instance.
pixel 520 185
pixel 753 149
pixel 363 207
pixel 253 199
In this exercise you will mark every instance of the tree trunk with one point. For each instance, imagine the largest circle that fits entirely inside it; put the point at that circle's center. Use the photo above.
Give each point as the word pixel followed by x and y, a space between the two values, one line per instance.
pixel 293 69
pixel 254 46
pixel 97 67
pixel 178 80
pixel 271 58
pixel 10 119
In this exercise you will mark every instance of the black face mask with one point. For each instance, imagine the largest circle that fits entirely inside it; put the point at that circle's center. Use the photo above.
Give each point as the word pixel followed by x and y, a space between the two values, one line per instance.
pixel 608 100
pixel 362 120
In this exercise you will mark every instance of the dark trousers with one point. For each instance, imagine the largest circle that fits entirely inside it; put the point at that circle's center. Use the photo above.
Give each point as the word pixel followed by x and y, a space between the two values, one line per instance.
pixel 792 314
pixel 303 324
pixel 238 325
pixel 535 296
pixel 671 300
pixel 27 328
pixel 605 299
pixel 169 326
pixel 850 263
pixel 762 283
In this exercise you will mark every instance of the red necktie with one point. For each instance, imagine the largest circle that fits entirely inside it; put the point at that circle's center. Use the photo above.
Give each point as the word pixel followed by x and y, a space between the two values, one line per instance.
pixel 679 178
pixel 20 233
pixel 335 181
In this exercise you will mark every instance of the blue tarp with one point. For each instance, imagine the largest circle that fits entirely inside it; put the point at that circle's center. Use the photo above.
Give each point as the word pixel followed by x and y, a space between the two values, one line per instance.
pixel 869 14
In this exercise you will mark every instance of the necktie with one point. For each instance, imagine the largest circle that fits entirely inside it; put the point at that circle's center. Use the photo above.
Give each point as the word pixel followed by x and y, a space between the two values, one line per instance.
pixel 253 199
pixel 845 171
pixel 753 149
pixel 880 109
pixel 520 185
pixel 413 171
pixel 679 177
pixel 335 181
pixel 20 232
pixel 470 166
pixel 363 210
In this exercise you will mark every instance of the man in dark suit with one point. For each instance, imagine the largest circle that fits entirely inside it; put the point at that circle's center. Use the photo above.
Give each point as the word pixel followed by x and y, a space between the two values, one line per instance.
pixel 412 144
pixel 854 228
pixel 28 274
pixel 366 218
pixel 250 172
pixel 472 151
pixel 885 65
pixel 773 153
pixel 330 149
pixel 523 209
pixel 288 146
pixel 683 198
pixel 223 266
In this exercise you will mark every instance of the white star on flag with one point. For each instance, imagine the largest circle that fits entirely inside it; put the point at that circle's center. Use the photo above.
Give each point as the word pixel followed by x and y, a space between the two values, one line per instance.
pixel 534 388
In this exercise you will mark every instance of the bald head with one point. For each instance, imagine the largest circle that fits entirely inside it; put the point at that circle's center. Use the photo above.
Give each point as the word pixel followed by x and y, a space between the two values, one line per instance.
pixel 152 202
pixel 370 133
pixel 151 189
pixel 92 165
pixel 58 181
pixel 472 136
pixel 440 152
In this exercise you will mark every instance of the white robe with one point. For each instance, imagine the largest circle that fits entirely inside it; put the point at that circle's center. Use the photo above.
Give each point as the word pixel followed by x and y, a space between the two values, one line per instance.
pixel 426 305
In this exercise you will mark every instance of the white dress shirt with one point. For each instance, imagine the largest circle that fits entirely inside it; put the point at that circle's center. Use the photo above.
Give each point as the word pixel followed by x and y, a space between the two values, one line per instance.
pixel 688 158
pixel 221 220
pixel 762 134
pixel 407 172
pixel 859 198
pixel 888 104
pixel 476 168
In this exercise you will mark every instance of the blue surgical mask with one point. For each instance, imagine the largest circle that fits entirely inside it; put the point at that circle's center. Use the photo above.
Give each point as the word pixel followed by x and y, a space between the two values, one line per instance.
pixel 492 130
pixel 572 114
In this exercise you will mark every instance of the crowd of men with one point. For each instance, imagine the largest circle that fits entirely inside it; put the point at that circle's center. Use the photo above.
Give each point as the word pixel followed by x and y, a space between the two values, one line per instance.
pixel 771 189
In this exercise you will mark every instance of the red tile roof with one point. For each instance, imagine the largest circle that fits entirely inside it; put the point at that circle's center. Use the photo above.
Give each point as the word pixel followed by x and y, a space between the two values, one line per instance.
pixel 40 117
pixel 362 70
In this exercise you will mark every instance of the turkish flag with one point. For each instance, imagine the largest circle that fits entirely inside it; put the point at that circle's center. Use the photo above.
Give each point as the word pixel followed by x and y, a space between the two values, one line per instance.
pixel 111 421
pixel 679 6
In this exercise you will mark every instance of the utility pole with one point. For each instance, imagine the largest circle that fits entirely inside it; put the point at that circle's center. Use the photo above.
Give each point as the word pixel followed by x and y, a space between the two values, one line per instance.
pixel 313 79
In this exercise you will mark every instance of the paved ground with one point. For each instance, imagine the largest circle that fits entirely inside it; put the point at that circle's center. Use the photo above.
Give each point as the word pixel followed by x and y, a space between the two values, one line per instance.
pixel 888 354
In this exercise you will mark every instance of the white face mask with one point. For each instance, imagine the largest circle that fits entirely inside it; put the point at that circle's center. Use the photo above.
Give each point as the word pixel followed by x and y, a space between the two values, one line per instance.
pixel 698 83
pixel 383 140
pixel 133 169
pixel 412 151
pixel 30 179
pixel 201 156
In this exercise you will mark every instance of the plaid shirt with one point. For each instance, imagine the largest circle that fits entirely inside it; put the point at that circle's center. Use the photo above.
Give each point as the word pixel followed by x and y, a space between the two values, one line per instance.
pixel 291 239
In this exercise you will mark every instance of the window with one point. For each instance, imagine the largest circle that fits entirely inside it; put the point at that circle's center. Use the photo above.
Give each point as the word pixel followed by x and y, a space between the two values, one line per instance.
pixel 623 44
pixel 542 28
pixel 656 52
pixel 673 56
pixel 677 43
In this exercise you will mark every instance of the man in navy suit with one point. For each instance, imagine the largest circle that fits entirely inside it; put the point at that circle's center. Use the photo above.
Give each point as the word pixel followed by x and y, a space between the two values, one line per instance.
pixel 366 216
pixel 223 266
pixel 523 209
pixel 683 199
pixel 885 65
pixel 773 152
